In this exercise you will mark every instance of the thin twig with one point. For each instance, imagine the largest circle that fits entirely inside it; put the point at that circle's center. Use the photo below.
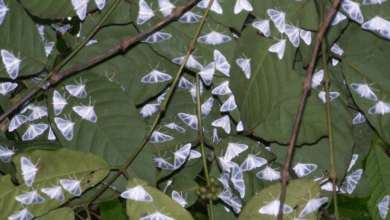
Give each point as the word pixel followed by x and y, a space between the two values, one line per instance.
pixel 306 88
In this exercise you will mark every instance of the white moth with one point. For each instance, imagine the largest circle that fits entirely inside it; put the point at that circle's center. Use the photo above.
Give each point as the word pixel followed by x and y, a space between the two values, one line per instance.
pixel 178 198
pixel 65 126
pixel 3 11
pixel 77 90
pixel 278 48
pixel 268 148
pixel 72 186
pixel 86 112
pixel 262 26
pixel 216 7
pixel 11 63
pixel 176 127
pixel 49 47
pixel 339 17
pixel 33 131
pixel 30 198
pixel 226 164
pixel 242 5
pixel 326 185
pixel 169 182
pixel 304 169
pixel 376 24
pixel 59 102
pixel 236 204
pixel 190 120
pixel 272 208
pixel 91 42
pixel 29 170
pixel 184 83
pixel 364 90
pixel 161 97
pixel 353 10
pixel 268 174
pixel 62 29
pixel 51 136
pixel 224 179
pixel 214 38
pixel 223 123
pixel 229 105
pixel 238 180
pixel 6 154
pixel 144 13
pixel 337 50
pixel 221 64
pixel 193 91
pixel 194 155
pixel 332 95
pixel 181 155
pixel 156 216
pixel 222 89
pixel 293 34
pixel 158 137
pixel 7 87
pixel 190 17
pixel 137 193
pixel 17 121
pixel 352 180
pixel 373 2
pixel 312 205
pixel 216 138
pixel 54 193
pixel 251 162
pixel 240 126
pixel 38 112
pixel 317 79
pixel 165 7
pixel 207 73
pixel 306 36
pixel 157 37
pixel 162 163
pixel 226 196
pixel 278 17
pixel 191 62
pixel 383 206
pixel 156 76
pixel 359 118
pixel 80 6
pixel 21 215
pixel 233 150
pixel 100 4
pixel 380 108
pixel 206 107
pixel 245 65
pixel 353 161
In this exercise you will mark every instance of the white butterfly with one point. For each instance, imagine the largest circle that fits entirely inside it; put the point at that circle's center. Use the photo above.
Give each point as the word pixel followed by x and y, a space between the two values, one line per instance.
pixel 48 48
pixel 251 162
pixel 317 79
pixel 262 26
pixel 223 122
pixel 353 10
pixel 65 126
pixel 278 18
pixel 245 65
pixel 272 208
pixel 7 87
pixel 51 136
pixel 62 29
pixel 77 90
pixel 137 193
pixel 100 4
pixel 214 38
pixel 184 83
pixel 293 34
pixel 21 215
pixel 206 107
pixel 306 36
pixel 86 112
pixel 176 127
pixel 216 7
pixel 233 150
pixel 3 11
pixel 190 120
pixel 359 118
pixel 80 6
pixel 38 112
pixel 156 76
pixel 238 180
pixel 6 154
pixel 11 63
pixel 157 37
pixel 16 121
pixel 373 2
pixel 221 63
pixel 207 73
pixel 59 102
pixel 33 131
pixel 29 170
pixel 337 50
pixel 72 186
pixel 181 155
pixel 242 5
pixel 268 174
pixel 222 89
pixel 278 48
pixel 216 138
pixel 178 198
pixel 54 193
pixel 144 13
pixel 91 42
pixel 165 7
pixel 376 24
pixel 30 198
pixel 339 17
pixel 162 163
pixel 380 108
pixel 156 216
pixel 240 126
pixel 190 17
pixel 229 105
pixel 383 206
pixel 332 95
pixel 313 205
pixel 364 90
pixel 158 137
pixel 191 62
pixel 304 169
pixel 353 161
pixel 352 180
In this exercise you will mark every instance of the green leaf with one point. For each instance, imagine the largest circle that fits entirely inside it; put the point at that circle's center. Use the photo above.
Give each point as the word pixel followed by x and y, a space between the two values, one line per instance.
pixel 19 36
pixel 161 203
pixel 113 210
pixel 378 172
pixel 59 214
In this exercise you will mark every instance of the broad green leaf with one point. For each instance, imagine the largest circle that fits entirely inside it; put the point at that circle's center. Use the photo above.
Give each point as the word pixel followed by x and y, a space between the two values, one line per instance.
pixel 350 208
pixel 364 61
pixel 19 35
pixel 59 214
pixel 161 203
pixel 113 209
pixel 378 172
pixel 221 213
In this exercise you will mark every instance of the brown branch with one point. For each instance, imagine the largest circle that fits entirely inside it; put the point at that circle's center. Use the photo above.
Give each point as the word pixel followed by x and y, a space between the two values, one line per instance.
pixel 306 88
pixel 121 46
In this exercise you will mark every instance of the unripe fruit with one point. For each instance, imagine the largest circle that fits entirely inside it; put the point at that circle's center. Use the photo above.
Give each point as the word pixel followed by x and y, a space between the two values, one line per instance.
pixel 203 189
pixel 215 197
pixel 213 189
pixel 209 195
pixel 212 180
pixel 203 196
pixel 197 192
